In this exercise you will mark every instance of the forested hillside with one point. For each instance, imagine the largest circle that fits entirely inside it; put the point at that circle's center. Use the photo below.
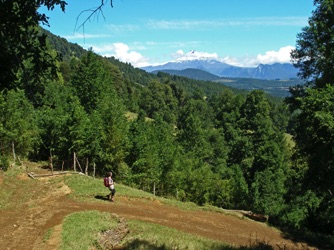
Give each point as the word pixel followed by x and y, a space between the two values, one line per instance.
pixel 190 140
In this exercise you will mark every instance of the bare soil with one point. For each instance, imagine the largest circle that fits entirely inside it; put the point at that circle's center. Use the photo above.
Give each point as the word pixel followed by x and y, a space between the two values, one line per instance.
pixel 25 226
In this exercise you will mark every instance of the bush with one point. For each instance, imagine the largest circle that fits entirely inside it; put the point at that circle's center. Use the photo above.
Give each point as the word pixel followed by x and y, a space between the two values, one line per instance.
pixel 4 163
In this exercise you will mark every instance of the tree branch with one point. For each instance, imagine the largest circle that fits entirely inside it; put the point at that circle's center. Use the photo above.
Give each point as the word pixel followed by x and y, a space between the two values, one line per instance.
pixel 94 12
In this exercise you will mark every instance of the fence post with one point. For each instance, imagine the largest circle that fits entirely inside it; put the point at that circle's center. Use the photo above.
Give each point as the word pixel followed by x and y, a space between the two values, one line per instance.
pixel 13 149
pixel 51 165
pixel 86 167
pixel 74 163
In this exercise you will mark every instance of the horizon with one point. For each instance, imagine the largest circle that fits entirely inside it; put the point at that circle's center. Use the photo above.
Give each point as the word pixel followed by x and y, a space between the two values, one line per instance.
pixel 148 33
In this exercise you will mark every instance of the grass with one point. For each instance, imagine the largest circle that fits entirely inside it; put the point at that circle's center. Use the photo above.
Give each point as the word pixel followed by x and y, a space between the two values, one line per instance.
pixel 14 184
pixel 144 235
pixel 6 190
pixel 85 187
pixel 80 230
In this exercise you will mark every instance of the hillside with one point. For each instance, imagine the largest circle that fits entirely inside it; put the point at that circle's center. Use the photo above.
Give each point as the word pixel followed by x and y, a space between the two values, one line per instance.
pixel 38 217
pixel 277 87
pixel 196 74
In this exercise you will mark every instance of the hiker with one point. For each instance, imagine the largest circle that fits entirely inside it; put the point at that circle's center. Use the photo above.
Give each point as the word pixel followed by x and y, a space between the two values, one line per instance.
pixel 109 183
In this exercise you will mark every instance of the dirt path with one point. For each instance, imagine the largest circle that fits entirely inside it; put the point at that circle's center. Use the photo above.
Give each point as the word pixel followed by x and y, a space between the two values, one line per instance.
pixel 26 226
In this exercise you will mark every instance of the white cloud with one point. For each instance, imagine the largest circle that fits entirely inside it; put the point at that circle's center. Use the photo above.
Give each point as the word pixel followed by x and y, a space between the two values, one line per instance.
pixel 280 56
pixel 231 61
pixel 122 52
pixel 193 55
pixel 269 57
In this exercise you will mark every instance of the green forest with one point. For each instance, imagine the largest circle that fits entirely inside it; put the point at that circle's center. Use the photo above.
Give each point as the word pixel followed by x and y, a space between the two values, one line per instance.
pixel 180 138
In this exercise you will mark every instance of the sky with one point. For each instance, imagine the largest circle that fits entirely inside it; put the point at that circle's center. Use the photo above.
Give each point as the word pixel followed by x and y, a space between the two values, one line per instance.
pixel 153 32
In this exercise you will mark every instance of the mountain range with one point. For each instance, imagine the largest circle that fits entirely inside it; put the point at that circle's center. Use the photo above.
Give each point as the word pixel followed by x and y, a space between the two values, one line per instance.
pixel 220 69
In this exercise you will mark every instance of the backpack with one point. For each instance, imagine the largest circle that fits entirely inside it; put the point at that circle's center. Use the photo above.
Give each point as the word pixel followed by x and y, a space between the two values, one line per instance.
pixel 106 181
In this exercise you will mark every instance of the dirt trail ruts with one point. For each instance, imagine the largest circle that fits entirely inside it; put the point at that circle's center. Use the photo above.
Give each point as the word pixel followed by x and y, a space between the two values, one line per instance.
pixel 26 226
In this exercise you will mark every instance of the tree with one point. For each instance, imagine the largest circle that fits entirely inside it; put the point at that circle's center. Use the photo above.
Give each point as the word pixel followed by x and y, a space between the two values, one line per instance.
pixel 158 100
pixel 314 51
pixel 23 47
pixel 315 145
pixel 89 81
pixel 17 123
pixel 144 158
pixel 21 41
pixel 114 138
pixel 194 126
pixel 56 117
pixel 313 122
pixel 264 161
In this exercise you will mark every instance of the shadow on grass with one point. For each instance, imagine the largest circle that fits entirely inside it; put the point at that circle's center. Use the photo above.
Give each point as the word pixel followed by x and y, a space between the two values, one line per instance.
pixel 143 244
pixel 325 242
pixel 102 197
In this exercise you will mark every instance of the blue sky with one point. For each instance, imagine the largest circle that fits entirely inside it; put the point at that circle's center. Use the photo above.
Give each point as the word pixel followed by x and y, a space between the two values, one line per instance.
pixel 151 32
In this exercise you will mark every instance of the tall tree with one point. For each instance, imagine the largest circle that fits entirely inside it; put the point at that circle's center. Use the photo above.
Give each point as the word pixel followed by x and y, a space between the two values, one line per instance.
pixel 56 118
pixel 17 123
pixel 314 51
pixel 194 125
pixel 266 164
pixel 315 146
pixel 314 55
pixel 88 80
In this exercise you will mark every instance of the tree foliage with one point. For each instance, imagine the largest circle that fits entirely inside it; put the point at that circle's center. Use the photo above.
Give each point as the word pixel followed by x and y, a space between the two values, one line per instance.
pixel 313 123
pixel 314 138
pixel 315 49
pixel 22 43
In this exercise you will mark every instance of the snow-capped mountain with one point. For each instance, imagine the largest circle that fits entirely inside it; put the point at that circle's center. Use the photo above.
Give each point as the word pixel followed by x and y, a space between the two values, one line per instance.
pixel 262 71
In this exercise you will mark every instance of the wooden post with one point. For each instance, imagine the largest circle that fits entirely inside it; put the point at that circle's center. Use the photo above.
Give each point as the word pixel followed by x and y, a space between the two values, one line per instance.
pixel 86 167
pixel 76 159
pixel 62 166
pixel 13 149
pixel 74 163
pixel 51 165
pixel 94 167
pixel 154 188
